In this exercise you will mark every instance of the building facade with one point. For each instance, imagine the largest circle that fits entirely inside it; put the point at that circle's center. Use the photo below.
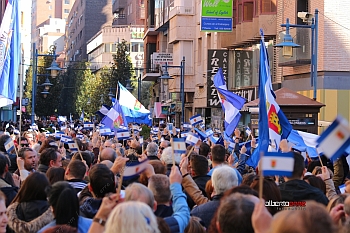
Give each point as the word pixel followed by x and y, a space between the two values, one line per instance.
pixel 128 12
pixel 174 27
pixel 85 19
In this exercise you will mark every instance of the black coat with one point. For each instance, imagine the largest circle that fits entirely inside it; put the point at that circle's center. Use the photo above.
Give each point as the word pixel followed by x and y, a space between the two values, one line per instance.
pixel 300 190
pixel 27 211
pixel 206 211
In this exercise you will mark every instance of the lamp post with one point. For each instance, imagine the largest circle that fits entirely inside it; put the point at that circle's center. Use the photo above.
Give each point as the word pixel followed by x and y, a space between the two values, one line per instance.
pixel 166 76
pixel 288 45
pixel 54 69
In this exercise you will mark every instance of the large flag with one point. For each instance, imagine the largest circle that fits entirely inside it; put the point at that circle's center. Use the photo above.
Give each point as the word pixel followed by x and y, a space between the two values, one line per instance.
pixel 304 142
pixel 335 139
pixel 115 117
pixel 133 110
pixel 10 53
pixel 273 124
pixel 230 103
pixel 103 110
pixel 277 163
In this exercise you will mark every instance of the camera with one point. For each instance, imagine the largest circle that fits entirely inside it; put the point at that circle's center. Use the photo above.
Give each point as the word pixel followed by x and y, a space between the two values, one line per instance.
pixel 305 16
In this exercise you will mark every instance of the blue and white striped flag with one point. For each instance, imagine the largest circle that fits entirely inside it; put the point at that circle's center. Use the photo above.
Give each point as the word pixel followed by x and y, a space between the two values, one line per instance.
pixel 196 119
pixel 73 147
pixel 277 163
pixel 192 139
pixel 209 132
pixel 65 138
pixel 9 145
pixel 179 146
pixel 88 125
pixel 187 126
pixel 123 134
pixel 80 136
pixel 104 130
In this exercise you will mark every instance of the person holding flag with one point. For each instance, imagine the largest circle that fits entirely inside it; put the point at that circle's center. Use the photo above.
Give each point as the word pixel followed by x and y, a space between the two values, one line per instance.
pixel 273 124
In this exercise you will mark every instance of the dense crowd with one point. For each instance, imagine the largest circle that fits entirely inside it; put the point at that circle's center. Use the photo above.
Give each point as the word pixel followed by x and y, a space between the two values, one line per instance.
pixel 46 187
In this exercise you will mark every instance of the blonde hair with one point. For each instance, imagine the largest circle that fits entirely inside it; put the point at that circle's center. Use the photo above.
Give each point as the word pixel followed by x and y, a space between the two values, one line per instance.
pixel 132 217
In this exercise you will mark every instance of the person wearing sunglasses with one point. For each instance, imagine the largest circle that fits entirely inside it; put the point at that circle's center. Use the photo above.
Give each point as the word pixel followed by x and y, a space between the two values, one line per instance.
pixel 22 142
pixel 164 144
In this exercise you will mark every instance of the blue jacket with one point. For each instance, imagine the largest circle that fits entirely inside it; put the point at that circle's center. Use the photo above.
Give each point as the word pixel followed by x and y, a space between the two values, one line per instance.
pixel 181 211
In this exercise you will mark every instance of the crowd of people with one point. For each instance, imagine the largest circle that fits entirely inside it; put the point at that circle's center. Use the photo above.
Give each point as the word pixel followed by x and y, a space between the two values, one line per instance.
pixel 46 187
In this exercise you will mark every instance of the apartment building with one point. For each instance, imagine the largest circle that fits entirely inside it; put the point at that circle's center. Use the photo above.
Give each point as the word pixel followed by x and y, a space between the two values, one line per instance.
pixel 174 27
pixel 128 12
pixel 42 13
pixel 85 20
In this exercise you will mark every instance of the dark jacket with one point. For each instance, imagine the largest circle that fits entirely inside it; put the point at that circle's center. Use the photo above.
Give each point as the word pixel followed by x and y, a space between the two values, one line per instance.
pixel 153 157
pixel 163 211
pixel 300 190
pixel 206 211
pixel 201 182
pixel 9 191
pixel 90 207
pixel 43 168
pixel 27 211
pixel 13 160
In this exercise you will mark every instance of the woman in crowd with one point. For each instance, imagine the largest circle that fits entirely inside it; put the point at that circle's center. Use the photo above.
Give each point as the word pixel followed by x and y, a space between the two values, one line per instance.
pixel 3 216
pixel 29 210
pixel 55 174
pixel 65 206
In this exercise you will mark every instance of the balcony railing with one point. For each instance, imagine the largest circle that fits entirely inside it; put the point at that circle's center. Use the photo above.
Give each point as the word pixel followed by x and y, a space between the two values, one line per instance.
pixel 181 10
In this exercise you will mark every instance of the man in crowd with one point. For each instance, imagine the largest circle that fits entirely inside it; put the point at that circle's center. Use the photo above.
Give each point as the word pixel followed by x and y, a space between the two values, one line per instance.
pixel 49 157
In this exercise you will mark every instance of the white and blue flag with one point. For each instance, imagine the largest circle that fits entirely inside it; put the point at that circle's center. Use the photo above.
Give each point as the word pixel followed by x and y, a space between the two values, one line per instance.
pixel 209 132
pixel 179 146
pixel 335 139
pixel 192 139
pixel 196 119
pixel 9 145
pixel 277 163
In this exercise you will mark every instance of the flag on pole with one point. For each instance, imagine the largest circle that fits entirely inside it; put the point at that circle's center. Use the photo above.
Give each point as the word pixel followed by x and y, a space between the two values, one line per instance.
pixel 141 140
pixel 115 117
pixel 88 125
pixel 103 110
pixel 179 146
pixel 231 103
pixel 10 53
pixel 277 163
pixel 196 119
pixel 209 132
pixel 191 139
pixel 273 124
pixel 9 145
pixel 73 146
pixel 104 130
pixel 248 131
pixel 124 134
pixel 132 169
pixel 65 139
pixel 335 139
pixel 82 115
pixel 133 110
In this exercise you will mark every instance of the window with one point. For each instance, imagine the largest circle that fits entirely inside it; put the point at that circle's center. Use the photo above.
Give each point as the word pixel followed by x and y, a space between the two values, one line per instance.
pixel 134 47
pixel 248 11
pixel 268 6
pixel 107 48
pixel 240 13
pixel 58 30
pixel 66 2
pixel 50 7
pixel 66 11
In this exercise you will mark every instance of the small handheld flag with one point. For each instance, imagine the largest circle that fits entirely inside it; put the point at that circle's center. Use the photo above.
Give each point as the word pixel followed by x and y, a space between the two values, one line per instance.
pixel 88 125
pixel 209 132
pixel 133 169
pixel 191 139
pixel 9 145
pixel 65 139
pixel 276 163
pixel 196 119
pixel 186 125
pixel 73 146
pixel 179 146
pixel 335 139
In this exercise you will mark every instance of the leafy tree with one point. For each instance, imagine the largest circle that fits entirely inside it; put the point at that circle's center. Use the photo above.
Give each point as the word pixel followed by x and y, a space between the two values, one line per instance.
pixel 122 69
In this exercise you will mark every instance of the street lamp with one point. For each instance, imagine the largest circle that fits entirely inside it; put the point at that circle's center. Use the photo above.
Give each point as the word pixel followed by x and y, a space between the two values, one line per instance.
pixel 288 45
pixel 166 77
pixel 54 69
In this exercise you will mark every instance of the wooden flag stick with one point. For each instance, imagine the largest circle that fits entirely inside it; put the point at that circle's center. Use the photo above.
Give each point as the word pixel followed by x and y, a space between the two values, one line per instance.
pixel 261 177
pixel 120 182
pixel 15 146
pixel 81 156
pixel 319 157
pixel 188 154
pixel 172 148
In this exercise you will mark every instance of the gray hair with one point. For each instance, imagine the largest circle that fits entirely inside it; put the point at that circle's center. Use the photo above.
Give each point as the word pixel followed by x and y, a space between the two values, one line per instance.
pixel 167 156
pixel 152 149
pixel 224 178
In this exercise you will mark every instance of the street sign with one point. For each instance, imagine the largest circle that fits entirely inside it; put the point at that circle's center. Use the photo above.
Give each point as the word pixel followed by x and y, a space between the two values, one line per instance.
pixel 25 101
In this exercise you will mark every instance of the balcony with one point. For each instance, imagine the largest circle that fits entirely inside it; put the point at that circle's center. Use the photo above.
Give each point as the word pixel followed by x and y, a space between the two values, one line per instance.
pixel 151 73
pixel 181 10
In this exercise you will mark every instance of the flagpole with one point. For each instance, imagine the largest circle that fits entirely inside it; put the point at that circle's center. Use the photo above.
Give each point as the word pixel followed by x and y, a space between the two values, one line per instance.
pixel 120 182
pixel 261 177
pixel 172 148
